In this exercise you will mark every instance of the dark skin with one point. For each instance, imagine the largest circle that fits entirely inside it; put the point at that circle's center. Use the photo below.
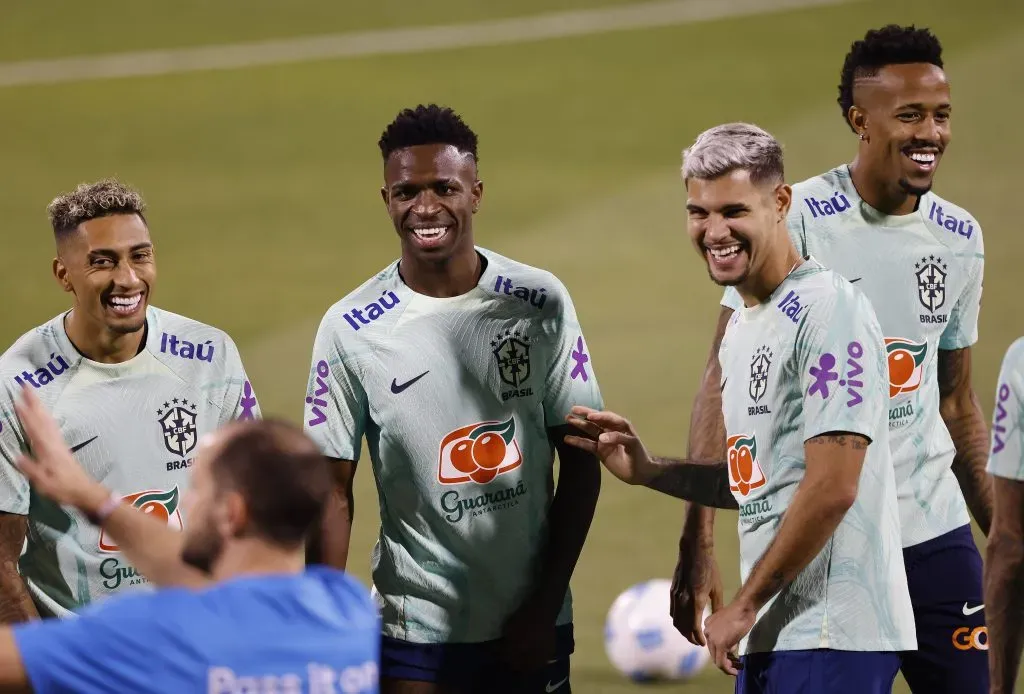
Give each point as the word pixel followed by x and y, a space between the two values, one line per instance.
pixel 1004 585
pixel 105 260
pixel 102 261
pixel 435 187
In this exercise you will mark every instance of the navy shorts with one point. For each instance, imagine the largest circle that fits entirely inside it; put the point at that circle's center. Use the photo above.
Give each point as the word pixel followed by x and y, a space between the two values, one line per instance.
pixel 818 671
pixel 945 580
pixel 474 667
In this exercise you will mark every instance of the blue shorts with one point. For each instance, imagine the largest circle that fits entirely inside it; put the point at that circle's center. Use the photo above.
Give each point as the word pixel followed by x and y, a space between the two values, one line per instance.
pixel 818 671
pixel 474 667
pixel 945 580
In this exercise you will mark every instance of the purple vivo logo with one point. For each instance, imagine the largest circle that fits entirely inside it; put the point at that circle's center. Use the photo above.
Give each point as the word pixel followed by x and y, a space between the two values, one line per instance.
pixel 248 402
pixel 581 358
pixel 999 426
pixel 824 374
pixel 316 399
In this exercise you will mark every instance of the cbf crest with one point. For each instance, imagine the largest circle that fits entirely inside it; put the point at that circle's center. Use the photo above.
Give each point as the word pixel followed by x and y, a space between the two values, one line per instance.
pixel 760 364
pixel 511 350
pixel 177 419
pixel 931 282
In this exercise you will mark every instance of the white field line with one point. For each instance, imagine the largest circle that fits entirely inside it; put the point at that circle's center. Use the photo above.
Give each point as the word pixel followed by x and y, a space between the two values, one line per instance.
pixel 390 41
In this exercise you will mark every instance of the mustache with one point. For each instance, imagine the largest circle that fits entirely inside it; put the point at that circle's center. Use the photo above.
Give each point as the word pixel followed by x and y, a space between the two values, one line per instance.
pixel 924 144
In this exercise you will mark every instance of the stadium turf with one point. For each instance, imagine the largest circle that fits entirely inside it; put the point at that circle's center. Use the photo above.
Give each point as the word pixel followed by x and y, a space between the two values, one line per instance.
pixel 263 185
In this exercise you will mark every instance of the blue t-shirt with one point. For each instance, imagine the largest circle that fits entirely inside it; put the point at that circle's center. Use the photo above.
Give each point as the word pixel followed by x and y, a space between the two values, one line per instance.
pixel 317 631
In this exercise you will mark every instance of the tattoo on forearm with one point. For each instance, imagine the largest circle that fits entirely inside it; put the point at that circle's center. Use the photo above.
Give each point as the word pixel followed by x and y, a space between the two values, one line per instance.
pixel 706 484
pixel 854 441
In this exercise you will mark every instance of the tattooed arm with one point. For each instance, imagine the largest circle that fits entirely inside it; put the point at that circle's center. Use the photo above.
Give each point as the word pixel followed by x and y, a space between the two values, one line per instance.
pixel 822 498
pixel 962 414
pixel 1004 585
pixel 15 602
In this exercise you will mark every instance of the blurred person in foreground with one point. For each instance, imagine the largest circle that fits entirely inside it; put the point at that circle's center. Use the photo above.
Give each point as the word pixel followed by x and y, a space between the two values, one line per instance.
pixel 237 612
pixel 920 260
pixel 1004 554
pixel 824 605
pixel 459 366
pixel 134 387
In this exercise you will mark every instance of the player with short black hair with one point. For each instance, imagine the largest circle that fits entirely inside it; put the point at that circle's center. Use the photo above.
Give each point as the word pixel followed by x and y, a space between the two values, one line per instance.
pixel 920 260
pixel 134 387
pixel 458 366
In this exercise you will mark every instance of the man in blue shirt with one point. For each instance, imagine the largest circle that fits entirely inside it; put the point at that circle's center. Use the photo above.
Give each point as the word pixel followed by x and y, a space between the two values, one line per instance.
pixel 239 612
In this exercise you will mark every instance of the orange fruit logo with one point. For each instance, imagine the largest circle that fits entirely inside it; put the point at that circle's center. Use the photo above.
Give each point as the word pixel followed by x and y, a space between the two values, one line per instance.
pixel 745 473
pixel 479 452
pixel 155 502
pixel 906 364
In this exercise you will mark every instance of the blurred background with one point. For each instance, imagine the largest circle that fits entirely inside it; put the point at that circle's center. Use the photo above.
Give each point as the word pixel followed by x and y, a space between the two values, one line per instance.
pixel 262 180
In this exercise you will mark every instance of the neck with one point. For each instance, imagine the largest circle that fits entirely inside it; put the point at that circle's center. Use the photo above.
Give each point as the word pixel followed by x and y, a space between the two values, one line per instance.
pixel 252 557
pixel 756 290
pixel 446 278
pixel 98 343
pixel 876 193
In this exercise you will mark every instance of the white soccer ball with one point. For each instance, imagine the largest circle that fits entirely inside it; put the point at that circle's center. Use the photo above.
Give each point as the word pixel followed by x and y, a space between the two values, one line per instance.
pixel 641 641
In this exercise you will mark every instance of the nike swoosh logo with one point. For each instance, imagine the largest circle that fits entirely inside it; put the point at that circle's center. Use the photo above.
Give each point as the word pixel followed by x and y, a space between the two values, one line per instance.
pixel 396 388
pixel 968 611
pixel 856 280
pixel 75 449
pixel 557 685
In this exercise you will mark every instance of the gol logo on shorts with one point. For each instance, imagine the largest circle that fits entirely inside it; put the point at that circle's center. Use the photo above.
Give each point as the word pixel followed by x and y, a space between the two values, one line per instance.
pixel 745 473
pixel 479 452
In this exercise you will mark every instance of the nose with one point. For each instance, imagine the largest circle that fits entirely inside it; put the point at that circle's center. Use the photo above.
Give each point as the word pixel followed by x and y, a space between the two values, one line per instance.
pixel 125 275
pixel 426 204
pixel 930 130
pixel 716 229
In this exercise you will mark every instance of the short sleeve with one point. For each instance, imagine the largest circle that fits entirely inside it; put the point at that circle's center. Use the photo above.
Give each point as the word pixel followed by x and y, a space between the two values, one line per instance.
pixel 962 329
pixel 570 379
pixel 88 653
pixel 1006 458
pixel 841 360
pixel 336 406
pixel 14 488
pixel 240 399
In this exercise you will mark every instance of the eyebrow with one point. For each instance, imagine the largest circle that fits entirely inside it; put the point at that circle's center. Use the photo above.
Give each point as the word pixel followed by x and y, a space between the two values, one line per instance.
pixel 924 107
pixel 110 253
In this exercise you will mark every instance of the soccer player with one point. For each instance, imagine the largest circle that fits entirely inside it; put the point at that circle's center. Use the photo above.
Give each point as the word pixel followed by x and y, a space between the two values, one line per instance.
pixel 1004 555
pixel 134 388
pixel 245 616
pixel 920 260
pixel 459 366
pixel 824 605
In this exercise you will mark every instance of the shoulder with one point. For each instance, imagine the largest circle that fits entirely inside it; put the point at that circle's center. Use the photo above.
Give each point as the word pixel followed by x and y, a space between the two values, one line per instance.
pixel 831 300
pixel 951 224
pixel 823 195
pixel 184 343
pixel 534 291
pixel 37 358
pixel 1013 360
pixel 359 312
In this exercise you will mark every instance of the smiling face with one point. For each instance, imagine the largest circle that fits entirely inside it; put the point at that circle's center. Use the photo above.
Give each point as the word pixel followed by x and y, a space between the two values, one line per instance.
pixel 903 114
pixel 109 265
pixel 432 192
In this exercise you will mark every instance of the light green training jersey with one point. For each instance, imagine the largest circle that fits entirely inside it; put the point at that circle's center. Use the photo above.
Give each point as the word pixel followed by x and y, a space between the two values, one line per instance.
pixel 455 397
pixel 133 426
pixel 807 361
pixel 922 273
pixel 1006 458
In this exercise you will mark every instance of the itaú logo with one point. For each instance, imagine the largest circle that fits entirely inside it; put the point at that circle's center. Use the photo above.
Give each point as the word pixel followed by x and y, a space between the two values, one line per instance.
pixel 966 638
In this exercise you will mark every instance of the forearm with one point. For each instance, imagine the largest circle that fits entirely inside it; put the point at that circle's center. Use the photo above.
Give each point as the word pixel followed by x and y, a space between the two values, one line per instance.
pixel 969 431
pixel 813 515
pixel 330 545
pixel 15 601
pixel 569 519
pixel 1004 611
pixel 704 483
pixel 152 547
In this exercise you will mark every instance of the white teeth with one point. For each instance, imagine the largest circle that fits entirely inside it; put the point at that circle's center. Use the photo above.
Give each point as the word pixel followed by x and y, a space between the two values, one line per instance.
pixel 727 252
pixel 923 157
pixel 126 304
pixel 430 233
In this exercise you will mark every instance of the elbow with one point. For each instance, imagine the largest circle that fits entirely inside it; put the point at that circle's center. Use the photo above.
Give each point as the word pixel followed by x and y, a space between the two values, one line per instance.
pixel 1004 549
pixel 837 499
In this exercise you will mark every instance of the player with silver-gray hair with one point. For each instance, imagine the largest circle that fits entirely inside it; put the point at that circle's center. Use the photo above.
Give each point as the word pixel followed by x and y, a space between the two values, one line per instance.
pixel 824 604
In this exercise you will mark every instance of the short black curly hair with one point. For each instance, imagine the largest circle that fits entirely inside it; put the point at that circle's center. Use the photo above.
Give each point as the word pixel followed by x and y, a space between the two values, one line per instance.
pixel 427 125
pixel 891 45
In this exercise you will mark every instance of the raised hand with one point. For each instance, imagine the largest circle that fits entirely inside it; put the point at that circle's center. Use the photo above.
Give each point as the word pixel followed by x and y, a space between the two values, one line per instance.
pixel 614 441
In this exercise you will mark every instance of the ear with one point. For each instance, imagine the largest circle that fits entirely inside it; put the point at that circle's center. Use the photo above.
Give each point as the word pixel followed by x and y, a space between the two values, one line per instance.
pixel 235 516
pixel 384 195
pixel 783 200
pixel 858 119
pixel 60 271
pixel 478 194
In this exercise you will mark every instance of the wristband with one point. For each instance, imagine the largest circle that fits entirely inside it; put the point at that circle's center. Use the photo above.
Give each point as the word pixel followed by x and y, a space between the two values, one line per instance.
pixel 104 511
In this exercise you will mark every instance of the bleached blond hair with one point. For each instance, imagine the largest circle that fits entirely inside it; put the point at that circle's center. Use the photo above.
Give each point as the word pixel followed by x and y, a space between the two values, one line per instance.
pixel 92 200
pixel 732 146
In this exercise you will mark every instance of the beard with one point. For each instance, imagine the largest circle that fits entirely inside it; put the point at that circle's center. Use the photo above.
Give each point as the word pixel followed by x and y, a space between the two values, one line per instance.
pixel 909 189
pixel 728 283
pixel 202 548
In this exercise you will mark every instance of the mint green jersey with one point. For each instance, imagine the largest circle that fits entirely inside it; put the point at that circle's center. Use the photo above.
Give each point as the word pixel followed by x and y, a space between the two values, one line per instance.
pixel 133 426
pixel 1006 458
pixel 455 398
pixel 807 361
pixel 922 273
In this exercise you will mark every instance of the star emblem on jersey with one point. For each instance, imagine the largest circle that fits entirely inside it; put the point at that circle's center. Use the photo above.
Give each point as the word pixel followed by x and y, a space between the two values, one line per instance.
pixel 511 350
pixel 177 418
pixel 759 365
pixel 931 282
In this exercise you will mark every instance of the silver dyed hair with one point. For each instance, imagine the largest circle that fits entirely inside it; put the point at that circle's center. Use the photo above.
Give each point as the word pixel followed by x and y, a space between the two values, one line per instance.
pixel 726 148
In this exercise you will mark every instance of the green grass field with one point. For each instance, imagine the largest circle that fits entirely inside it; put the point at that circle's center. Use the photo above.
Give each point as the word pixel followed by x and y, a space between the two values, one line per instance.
pixel 263 188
